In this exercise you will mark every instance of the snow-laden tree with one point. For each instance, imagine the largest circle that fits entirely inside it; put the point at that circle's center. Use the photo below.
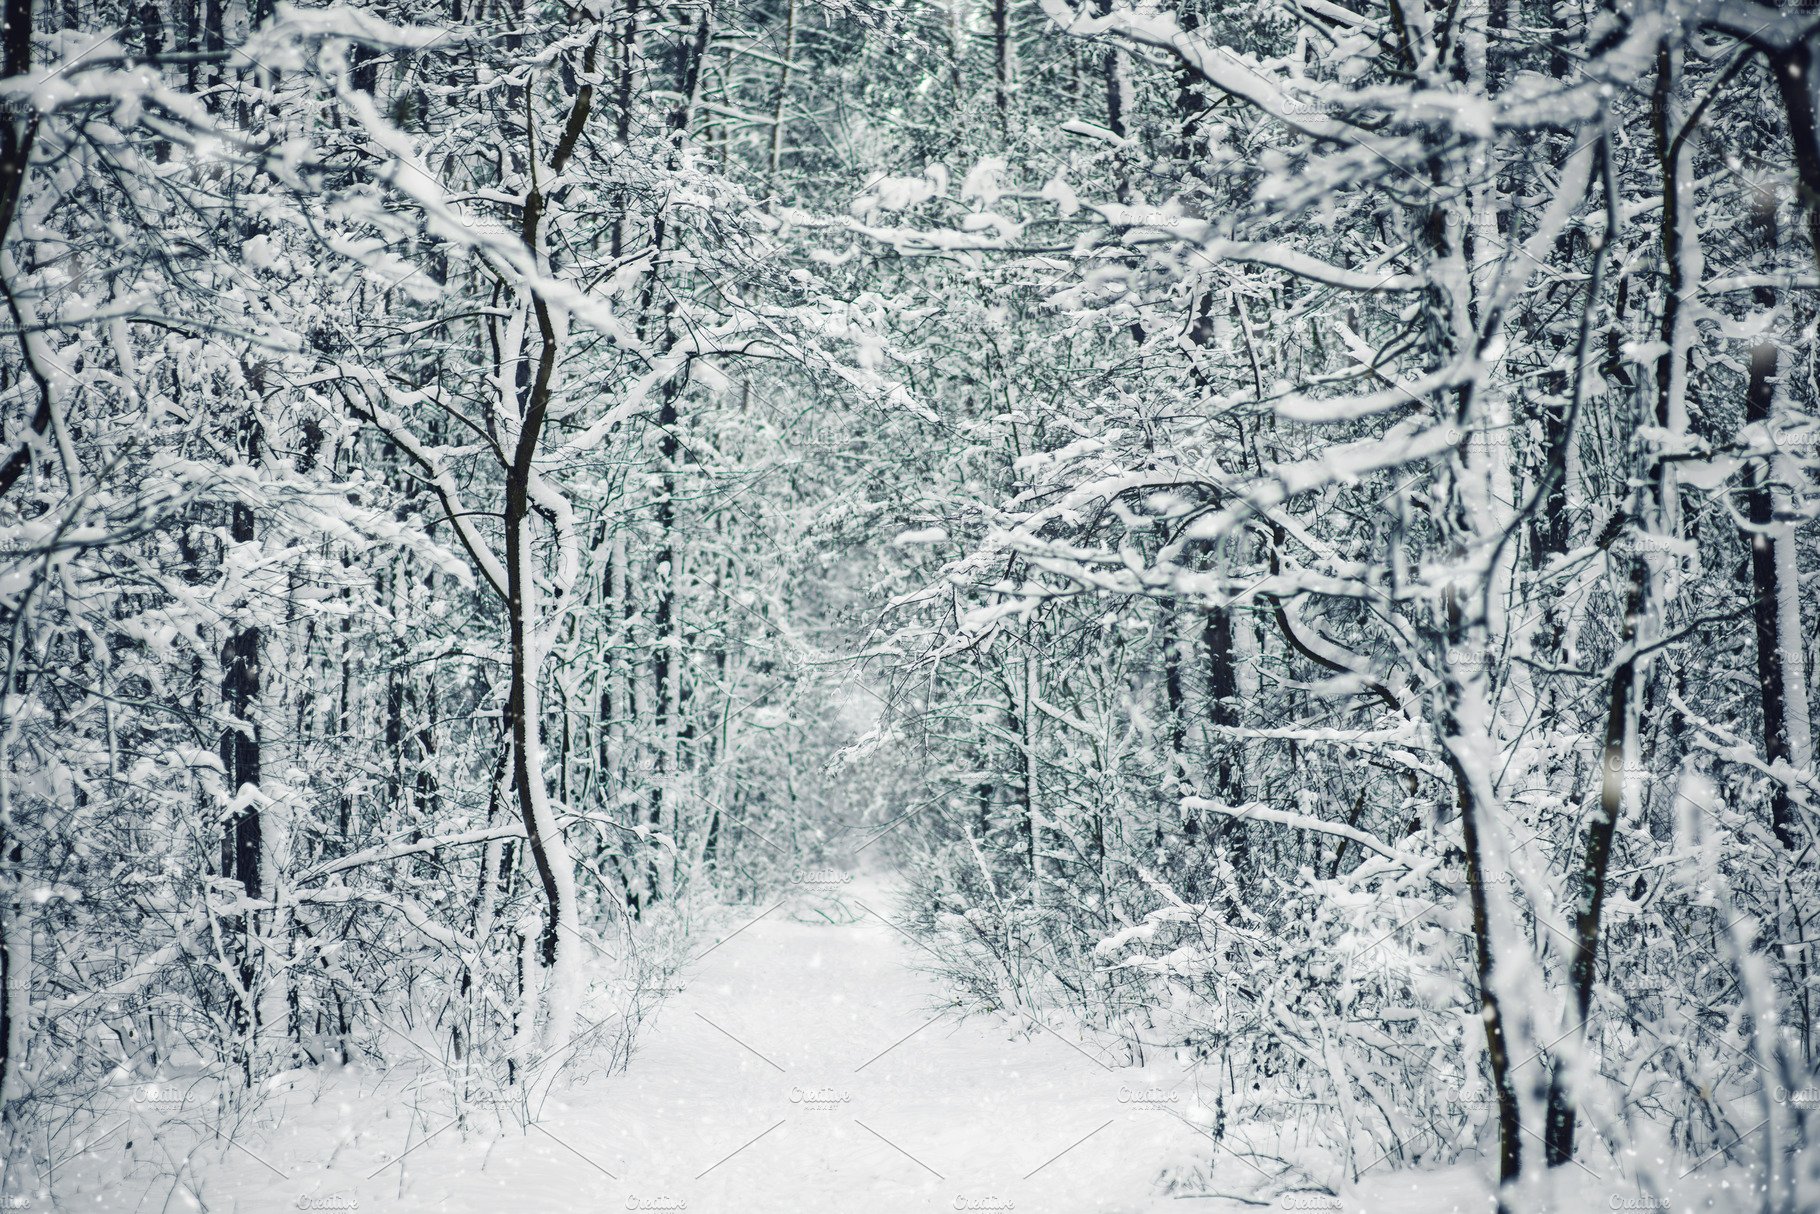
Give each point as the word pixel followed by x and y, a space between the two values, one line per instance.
pixel 378 389
pixel 1325 489
pixel 1434 477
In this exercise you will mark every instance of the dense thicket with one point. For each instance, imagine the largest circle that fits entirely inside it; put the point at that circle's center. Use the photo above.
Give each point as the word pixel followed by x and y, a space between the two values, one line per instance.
pixel 401 615
pixel 1323 490
pixel 1379 671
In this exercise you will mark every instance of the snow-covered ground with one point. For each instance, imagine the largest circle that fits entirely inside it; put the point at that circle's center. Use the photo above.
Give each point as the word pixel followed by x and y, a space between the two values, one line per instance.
pixel 799 1066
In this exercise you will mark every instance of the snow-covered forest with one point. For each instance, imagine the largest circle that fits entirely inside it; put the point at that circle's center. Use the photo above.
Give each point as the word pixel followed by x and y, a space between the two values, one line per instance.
pixel 580 581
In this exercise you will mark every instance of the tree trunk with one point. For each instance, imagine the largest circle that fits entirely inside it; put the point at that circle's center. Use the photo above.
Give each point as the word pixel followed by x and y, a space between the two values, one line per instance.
pixel 1491 1009
pixel 16 133
pixel 1594 864
pixel 783 93
pixel 240 759
pixel 1176 704
pixel 1794 70
pixel 544 837
pixel 1774 588
pixel 1463 712
pixel 1002 52
pixel 1032 672
pixel 666 655
pixel 559 957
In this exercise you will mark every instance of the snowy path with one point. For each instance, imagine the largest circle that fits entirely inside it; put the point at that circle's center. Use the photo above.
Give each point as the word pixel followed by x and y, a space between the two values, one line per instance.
pixel 799 1067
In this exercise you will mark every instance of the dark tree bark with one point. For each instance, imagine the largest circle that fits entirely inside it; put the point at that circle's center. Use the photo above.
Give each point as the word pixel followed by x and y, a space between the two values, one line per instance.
pixel 666 657
pixel 1001 64
pixel 17 133
pixel 1595 863
pixel 1794 72
pixel 1175 698
pixel 240 761
pixel 1491 1005
pixel 1491 1010
pixel 13 977
pixel 1766 589
pixel 665 671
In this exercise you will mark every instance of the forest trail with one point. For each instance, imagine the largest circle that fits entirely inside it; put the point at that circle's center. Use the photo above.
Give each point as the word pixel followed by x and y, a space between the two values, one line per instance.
pixel 805 1066
pixel 800 1065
